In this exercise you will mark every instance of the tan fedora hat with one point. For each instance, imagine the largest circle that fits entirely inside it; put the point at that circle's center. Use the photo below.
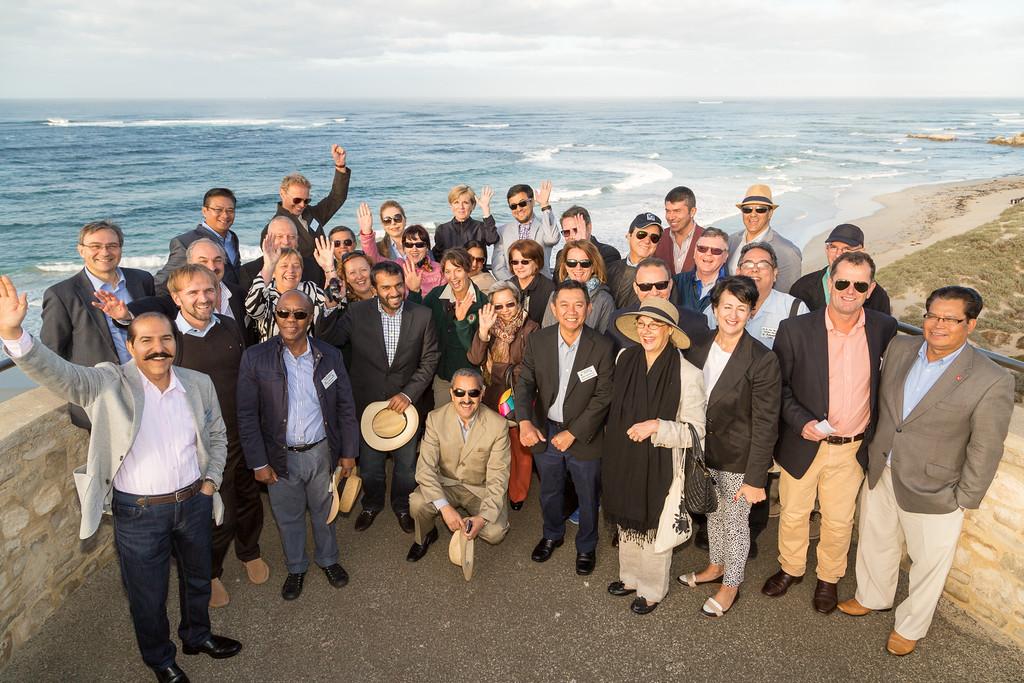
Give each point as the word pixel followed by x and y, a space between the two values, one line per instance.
pixel 659 309
pixel 460 553
pixel 384 429
pixel 758 195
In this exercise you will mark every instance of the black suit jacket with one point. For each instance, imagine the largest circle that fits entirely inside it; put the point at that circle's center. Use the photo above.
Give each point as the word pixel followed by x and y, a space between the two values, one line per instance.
pixel 358 332
pixel 316 217
pixel 76 330
pixel 179 247
pixel 586 403
pixel 695 325
pixel 163 303
pixel 808 289
pixel 802 347
pixel 743 409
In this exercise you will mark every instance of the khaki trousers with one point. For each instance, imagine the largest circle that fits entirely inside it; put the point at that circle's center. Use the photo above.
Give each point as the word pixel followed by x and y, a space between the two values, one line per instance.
pixel 642 568
pixel 931 543
pixel 834 478
pixel 424 513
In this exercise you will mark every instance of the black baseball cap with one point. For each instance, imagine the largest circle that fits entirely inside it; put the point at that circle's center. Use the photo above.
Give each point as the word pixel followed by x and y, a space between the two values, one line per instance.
pixel 847 233
pixel 643 220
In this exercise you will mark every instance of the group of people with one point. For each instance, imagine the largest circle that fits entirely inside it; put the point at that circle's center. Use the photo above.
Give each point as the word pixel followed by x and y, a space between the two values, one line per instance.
pixel 498 350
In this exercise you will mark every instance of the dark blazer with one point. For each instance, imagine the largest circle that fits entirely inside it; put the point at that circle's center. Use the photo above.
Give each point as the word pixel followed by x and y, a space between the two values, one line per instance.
pixel 163 303
pixel 808 289
pixel 802 347
pixel 666 246
pixel 317 215
pixel 455 234
pixel 178 248
pixel 695 325
pixel 263 404
pixel 586 403
pixel 311 271
pixel 76 330
pixel 359 332
pixel 743 410
pixel 536 296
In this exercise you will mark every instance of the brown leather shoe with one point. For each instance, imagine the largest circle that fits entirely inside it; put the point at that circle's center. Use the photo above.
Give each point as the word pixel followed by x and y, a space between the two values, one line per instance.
pixel 900 646
pixel 825 597
pixel 853 608
pixel 778 583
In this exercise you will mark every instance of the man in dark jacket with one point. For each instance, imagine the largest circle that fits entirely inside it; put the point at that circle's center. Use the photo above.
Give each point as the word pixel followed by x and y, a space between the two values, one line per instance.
pixel 296 419
pixel 218 217
pixel 812 288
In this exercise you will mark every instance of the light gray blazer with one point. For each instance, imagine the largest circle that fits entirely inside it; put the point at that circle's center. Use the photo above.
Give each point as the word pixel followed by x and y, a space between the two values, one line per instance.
pixel 543 229
pixel 946 452
pixel 789 255
pixel 112 396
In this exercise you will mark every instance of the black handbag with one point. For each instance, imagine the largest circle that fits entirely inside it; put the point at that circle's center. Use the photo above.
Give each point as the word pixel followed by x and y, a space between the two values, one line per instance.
pixel 699 483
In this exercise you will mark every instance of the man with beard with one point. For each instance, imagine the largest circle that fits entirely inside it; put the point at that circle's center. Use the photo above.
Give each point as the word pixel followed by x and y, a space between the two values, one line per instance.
pixel 526 225
pixel 683 232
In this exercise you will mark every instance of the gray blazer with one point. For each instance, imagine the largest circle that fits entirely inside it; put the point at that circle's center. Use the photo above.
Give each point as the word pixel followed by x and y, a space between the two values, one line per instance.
pixel 790 258
pixel 946 452
pixel 115 392
pixel 543 229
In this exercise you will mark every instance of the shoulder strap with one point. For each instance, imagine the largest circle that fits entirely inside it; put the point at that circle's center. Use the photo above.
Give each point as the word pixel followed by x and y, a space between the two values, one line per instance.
pixel 794 307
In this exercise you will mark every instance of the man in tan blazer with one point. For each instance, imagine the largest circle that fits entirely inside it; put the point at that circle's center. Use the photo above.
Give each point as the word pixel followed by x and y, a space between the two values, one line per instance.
pixel 464 465
pixel 944 410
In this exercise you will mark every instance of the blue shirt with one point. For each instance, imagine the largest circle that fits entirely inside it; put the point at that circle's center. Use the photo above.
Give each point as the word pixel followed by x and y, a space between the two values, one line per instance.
pixel 227 244
pixel 185 327
pixel 923 375
pixel 118 334
pixel 305 419
pixel 566 358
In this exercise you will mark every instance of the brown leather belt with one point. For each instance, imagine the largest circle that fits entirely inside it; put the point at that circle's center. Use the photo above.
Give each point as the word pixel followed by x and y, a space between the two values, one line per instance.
pixel 305 447
pixel 839 440
pixel 176 497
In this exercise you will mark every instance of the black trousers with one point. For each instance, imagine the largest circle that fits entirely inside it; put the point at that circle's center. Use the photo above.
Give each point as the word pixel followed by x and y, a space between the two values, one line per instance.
pixel 243 511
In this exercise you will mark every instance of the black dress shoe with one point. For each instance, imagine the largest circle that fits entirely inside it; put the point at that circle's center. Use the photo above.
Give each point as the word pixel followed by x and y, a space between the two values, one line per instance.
pixel 641 606
pixel 293 586
pixel 825 599
pixel 405 521
pixel 700 539
pixel 171 674
pixel 544 548
pixel 752 553
pixel 418 550
pixel 618 588
pixel 778 583
pixel 585 562
pixel 218 647
pixel 516 506
pixel 365 519
pixel 336 575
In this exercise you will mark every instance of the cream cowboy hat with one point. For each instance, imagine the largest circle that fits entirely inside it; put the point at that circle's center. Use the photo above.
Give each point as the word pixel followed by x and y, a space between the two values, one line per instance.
pixel 758 195
pixel 460 553
pixel 660 310
pixel 384 429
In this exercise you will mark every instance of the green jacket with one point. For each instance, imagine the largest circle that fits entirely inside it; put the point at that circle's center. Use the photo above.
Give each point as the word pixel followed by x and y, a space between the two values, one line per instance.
pixel 453 336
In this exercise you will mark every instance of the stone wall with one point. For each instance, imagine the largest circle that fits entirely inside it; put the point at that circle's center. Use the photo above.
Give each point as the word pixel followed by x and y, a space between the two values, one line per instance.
pixel 43 560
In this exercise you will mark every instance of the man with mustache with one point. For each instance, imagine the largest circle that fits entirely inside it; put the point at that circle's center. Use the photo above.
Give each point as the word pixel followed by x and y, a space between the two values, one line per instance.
pixel 156 458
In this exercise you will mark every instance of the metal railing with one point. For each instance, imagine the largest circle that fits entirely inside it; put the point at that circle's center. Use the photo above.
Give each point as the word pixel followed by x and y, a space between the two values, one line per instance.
pixel 1005 361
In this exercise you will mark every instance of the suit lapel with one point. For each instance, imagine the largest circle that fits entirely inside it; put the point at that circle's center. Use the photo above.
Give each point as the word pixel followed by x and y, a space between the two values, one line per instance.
pixel 133 284
pixel 734 371
pixel 954 375
pixel 86 294
pixel 377 330
pixel 471 438
pixel 134 379
pixel 404 333
pixel 898 379
pixel 819 340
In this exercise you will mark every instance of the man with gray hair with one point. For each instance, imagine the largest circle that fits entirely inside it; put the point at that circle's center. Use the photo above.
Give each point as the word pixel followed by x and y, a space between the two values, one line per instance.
pixel 218 217
pixel 280 233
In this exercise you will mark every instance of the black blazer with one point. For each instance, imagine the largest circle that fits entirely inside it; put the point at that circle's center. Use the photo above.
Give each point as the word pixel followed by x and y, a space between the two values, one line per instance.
pixel 802 347
pixel 743 410
pixel 808 289
pixel 317 216
pixel 76 330
pixel 163 303
pixel 586 403
pixel 695 325
pixel 179 247
pixel 359 333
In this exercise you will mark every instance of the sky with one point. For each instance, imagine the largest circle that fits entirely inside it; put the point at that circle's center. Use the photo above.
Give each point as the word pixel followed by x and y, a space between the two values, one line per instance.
pixel 526 49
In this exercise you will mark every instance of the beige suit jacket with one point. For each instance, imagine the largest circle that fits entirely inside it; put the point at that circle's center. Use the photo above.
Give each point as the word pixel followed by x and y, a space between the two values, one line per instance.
pixel 945 453
pixel 481 463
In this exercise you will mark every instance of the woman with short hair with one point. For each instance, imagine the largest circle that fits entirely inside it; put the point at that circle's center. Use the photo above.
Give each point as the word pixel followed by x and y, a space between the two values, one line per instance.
pixel 261 299
pixel 526 261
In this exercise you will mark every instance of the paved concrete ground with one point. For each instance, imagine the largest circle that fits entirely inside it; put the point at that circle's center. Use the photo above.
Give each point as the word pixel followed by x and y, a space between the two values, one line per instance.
pixel 517 621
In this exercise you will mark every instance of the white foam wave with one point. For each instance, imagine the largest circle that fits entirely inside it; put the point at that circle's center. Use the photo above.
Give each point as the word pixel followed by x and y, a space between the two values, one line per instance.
pixel 653 155
pixel 870 176
pixel 1004 114
pixel 640 175
pixel 905 149
pixel 488 126
pixel 543 155
pixel 777 135
pixel 568 195
pixel 1012 121
pixel 900 162
pixel 709 101
pixel 148 123
pixel 341 119
pixel 149 262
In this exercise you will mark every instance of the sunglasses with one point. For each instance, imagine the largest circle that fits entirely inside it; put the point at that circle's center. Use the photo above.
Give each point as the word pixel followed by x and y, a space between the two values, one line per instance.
pixel 300 200
pixel 714 250
pixel 648 286
pixel 298 315
pixel 520 205
pixel 501 307
pixel 473 393
pixel 343 243
pixel 477 259
pixel 753 209
pixel 524 262
pixel 388 220
pixel 568 233
pixel 414 245
pixel 641 235
pixel 859 286
pixel 573 263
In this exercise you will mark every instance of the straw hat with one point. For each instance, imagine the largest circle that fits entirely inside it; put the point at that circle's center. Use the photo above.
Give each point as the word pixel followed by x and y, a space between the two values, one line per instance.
pixel 460 553
pixel 344 500
pixel 658 309
pixel 758 195
pixel 386 430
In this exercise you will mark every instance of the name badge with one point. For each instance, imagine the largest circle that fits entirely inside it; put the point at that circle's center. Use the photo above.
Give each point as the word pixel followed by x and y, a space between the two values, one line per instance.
pixel 587 374
pixel 769 332
pixel 329 379
pixel 313 225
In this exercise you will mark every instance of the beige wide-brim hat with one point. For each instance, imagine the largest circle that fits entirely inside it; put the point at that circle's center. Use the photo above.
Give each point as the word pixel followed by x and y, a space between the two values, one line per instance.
pixel 758 195
pixel 460 553
pixel 384 429
pixel 344 500
pixel 659 309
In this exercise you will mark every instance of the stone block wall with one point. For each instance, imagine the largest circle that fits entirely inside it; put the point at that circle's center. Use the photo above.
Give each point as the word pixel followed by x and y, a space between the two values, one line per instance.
pixel 42 560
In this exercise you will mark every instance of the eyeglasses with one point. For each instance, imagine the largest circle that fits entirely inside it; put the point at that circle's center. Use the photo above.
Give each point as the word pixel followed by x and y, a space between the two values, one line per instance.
pixel 414 245
pixel 520 205
pixel 581 263
pixel 109 246
pixel 343 243
pixel 300 200
pixel 648 286
pixel 478 259
pixel 859 286
pixel 641 235
pixel 652 326
pixel 715 251
pixel 568 233
pixel 754 209
pixel 841 247
pixel 220 212
pixel 756 265
pixel 298 315
pixel 523 262
pixel 473 393
pixel 388 220
pixel 940 320
pixel 501 307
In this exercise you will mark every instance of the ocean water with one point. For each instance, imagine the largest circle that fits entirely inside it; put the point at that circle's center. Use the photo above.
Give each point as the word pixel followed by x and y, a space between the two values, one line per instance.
pixel 147 164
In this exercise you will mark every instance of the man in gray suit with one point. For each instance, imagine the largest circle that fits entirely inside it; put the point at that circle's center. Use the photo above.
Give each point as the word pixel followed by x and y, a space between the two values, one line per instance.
pixel 156 457
pixel 944 410
pixel 527 225
pixel 757 209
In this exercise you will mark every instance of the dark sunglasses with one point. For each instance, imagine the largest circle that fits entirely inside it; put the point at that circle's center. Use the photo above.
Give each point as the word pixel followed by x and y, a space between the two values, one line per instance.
pixel 343 243
pixel 573 263
pixel 648 286
pixel 300 200
pixel 501 307
pixel 643 234
pixel 388 220
pixel 298 315
pixel 473 393
pixel 567 233
pixel 520 205
pixel 478 259
pixel 859 286
pixel 714 250
pixel 752 209
pixel 524 262
pixel 414 245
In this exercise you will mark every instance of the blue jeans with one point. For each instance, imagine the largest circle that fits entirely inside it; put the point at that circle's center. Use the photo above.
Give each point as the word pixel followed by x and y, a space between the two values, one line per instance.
pixel 403 478
pixel 146 538
pixel 552 466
